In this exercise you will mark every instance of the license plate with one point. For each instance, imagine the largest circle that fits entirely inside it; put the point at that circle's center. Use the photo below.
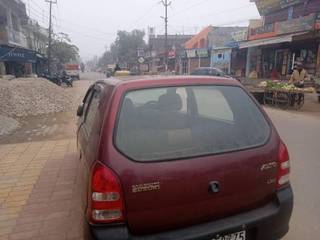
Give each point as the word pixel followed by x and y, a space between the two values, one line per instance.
pixel 233 236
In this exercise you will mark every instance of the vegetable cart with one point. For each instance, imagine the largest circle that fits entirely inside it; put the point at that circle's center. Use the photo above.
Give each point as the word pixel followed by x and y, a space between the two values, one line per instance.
pixel 284 95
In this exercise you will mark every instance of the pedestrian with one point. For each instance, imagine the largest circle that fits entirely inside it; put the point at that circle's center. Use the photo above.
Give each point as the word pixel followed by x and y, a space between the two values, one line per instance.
pixel 117 68
pixel 299 75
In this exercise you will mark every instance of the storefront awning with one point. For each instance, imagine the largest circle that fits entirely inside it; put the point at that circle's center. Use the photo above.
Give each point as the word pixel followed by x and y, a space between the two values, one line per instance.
pixel 269 41
pixel 15 54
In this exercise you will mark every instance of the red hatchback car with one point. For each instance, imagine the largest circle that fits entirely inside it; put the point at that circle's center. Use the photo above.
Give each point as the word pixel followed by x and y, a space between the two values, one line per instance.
pixel 181 158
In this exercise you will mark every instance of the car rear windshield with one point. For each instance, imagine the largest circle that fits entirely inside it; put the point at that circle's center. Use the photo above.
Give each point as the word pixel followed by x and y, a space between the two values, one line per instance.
pixel 181 122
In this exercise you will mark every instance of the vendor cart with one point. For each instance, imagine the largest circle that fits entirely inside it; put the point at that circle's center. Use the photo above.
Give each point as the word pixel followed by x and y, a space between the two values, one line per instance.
pixel 284 99
pixel 284 95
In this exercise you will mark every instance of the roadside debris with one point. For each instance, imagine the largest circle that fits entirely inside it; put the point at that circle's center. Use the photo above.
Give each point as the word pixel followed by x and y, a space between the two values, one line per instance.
pixel 7 125
pixel 32 96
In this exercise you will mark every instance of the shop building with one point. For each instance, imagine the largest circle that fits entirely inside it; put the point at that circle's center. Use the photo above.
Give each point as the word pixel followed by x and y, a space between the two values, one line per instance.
pixel 16 57
pixel 156 51
pixel 197 50
pixel 288 32
pixel 212 47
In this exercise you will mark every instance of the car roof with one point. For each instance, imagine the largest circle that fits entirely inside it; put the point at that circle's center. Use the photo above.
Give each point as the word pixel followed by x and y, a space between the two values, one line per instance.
pixel 154 81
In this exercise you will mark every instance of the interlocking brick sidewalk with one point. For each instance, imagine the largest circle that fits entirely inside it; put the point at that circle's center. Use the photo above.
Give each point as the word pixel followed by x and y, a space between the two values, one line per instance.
pixel 39 191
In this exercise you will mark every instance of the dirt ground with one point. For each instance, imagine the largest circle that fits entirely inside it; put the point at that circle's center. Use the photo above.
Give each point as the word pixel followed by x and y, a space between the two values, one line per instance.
pixel 54 126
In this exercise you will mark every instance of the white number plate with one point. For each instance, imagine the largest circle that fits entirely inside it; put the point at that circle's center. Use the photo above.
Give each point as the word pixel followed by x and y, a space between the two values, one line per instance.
pixel 233 236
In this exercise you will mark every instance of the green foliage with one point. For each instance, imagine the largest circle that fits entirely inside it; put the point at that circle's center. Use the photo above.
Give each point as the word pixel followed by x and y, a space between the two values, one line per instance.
pixel 124 49
pixel 63 51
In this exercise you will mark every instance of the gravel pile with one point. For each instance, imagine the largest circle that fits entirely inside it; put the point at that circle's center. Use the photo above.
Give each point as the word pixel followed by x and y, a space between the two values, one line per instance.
pixel 33 96
pixel 7 125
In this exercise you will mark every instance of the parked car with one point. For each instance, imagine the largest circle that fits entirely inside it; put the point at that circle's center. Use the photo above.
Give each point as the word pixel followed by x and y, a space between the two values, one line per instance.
pixel 181 158
pixel 211 71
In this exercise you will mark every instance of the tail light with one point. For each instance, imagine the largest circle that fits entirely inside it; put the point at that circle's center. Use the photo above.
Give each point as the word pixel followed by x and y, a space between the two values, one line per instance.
pixel 284 166
pixel 106 199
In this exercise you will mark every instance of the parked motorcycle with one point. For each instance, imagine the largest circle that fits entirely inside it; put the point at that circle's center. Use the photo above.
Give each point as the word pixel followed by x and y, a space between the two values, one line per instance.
pixel 52 78
pixel 67 79
pixel 59 79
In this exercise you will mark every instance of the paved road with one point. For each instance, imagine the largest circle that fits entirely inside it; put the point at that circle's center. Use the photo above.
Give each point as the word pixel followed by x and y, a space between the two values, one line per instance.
pixel 301 133
pixel 39 184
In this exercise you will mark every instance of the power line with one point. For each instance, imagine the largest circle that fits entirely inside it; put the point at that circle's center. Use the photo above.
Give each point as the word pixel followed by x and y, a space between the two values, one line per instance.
pixel 37 4
pixel 188 8
pixel 50 33
pixel 144 15
pixel 102 38
pixel 166 4
pixel 59 21
pixel 82 26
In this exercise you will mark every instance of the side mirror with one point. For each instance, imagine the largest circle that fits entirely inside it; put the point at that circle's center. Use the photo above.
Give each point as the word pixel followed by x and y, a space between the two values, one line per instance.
pixel 80 110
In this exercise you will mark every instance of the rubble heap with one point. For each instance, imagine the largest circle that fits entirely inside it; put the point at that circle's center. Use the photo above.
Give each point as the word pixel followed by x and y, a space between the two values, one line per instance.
pixel 7 125
pixel 32 96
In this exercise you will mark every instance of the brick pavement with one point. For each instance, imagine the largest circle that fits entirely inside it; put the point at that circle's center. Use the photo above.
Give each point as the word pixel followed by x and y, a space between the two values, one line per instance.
pixel 39 191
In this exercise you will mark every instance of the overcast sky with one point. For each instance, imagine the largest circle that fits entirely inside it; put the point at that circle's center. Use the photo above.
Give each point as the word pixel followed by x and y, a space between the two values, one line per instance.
pixel 93 24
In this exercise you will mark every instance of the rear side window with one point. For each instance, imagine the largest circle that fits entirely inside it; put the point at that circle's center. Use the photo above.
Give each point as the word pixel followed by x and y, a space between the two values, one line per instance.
pixel 182 122
pixel 91 112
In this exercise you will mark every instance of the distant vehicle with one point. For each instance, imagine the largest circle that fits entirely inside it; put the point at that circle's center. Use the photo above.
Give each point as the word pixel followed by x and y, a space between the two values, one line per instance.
pixel 73 70
pixel 181 158
pixel 211 71
pixel 110 70
pixel 122 73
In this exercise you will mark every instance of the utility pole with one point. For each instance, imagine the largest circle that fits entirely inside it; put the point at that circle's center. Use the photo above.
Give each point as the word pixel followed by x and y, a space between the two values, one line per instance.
pixel 50 34
pixel 166 4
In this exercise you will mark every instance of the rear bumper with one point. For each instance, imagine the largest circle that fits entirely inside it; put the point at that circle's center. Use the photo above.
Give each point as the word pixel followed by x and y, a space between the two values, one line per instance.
pixel 266 223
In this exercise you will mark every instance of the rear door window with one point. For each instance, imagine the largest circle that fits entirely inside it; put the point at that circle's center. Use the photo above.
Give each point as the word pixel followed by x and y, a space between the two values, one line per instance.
pixel 91 112
pixel 182 122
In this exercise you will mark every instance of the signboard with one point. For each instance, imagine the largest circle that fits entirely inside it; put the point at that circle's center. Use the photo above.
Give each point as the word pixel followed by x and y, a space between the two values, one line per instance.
pixel 191 53
pixel 202 53
pixel 17 55
pixel 141 60
pixel 265 31
pixel 296 25
pixel 267 6
pixel 239 36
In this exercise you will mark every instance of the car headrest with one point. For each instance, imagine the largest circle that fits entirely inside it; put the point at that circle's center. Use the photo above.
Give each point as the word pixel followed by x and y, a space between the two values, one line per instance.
pixel 170 102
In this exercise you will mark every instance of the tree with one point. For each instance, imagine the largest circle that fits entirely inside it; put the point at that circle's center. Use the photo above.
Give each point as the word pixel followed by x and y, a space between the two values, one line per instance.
pixel 126 46
pixel 124 49
pixel 63 51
